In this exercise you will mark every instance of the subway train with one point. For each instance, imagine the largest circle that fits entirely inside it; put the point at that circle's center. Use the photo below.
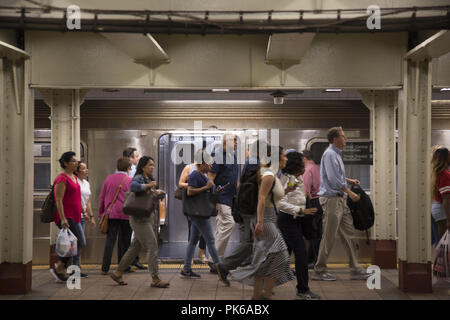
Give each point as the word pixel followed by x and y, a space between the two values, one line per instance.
pixel 100 148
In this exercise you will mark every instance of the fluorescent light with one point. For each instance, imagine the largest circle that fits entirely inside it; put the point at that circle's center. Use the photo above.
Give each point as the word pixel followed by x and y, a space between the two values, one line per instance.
pixel 220 90
pixel 213 101
pixel 333 90
pixel 445 89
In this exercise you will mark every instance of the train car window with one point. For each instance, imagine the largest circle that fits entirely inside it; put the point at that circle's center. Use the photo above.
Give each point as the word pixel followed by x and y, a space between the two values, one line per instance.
pixel 357 158
pixel 42 176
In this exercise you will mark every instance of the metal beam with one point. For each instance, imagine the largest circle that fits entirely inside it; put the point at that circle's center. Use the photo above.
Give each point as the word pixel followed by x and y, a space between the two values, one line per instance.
pixel 10 52
pixel 141 48
pixel 433 47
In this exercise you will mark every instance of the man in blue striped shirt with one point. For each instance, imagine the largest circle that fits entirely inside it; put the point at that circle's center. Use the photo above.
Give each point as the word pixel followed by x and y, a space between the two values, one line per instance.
pixel 336 215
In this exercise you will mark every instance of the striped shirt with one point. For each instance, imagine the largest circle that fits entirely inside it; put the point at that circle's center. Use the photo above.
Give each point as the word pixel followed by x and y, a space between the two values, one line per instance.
pixel 443 185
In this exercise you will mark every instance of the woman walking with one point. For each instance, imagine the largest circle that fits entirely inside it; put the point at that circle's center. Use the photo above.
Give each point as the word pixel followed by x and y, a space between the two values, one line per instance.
pixel 145 232
pixel 183 183
pixel 111 201
pixel 440 187
pixel 270 263
pixel 67 195
pixel 86 208
pixel 292 210
pixel 198 182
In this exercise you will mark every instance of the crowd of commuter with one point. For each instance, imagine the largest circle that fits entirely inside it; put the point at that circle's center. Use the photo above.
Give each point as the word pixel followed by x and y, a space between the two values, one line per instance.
pixel 293 199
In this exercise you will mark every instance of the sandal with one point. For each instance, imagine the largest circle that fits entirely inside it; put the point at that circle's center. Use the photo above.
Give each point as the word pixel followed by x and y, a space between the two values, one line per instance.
pixel 119 280
pixel 160 284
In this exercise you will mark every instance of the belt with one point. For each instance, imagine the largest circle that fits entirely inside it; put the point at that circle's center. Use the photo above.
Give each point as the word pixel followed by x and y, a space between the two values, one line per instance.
pixel 339 195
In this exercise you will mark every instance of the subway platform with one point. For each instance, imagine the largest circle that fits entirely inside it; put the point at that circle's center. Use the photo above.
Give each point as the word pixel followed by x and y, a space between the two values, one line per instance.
pixel 102 287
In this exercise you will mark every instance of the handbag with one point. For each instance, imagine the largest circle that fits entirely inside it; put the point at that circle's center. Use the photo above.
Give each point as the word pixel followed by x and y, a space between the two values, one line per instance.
pixel 200 205
pixel 105 217
pixel 179 193
pixel 139 204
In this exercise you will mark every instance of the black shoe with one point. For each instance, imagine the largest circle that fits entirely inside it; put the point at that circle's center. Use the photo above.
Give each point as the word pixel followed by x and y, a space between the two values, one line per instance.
pixel 222 274
pixel 188 274
pixel 140 266
pixel 128 270
pixel 212 267
pixel 82 275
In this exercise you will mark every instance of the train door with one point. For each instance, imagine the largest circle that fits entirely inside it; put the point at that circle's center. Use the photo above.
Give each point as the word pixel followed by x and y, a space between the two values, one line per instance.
pixel 174 230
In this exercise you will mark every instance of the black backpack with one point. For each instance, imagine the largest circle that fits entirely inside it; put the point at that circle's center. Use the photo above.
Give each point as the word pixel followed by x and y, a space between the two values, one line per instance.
pixel 362 211
pixel 48 208
pixel 246 201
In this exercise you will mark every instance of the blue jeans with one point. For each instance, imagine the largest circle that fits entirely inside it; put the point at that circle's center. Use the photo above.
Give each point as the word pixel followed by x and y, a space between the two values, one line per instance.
pixel 81 241
pixel 200 227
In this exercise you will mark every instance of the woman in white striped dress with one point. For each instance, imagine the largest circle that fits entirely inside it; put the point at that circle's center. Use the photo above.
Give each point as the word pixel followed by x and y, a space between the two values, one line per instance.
pixel 270 263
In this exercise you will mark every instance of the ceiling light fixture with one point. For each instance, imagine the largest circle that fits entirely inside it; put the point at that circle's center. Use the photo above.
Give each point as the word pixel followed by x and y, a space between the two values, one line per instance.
pixel 278 97
pixel 445 89
pixel 220 90
pixel 333 90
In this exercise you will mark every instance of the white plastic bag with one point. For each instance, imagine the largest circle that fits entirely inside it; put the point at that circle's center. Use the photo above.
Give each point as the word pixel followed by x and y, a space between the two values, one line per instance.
pixel 66 243
pixel 441 267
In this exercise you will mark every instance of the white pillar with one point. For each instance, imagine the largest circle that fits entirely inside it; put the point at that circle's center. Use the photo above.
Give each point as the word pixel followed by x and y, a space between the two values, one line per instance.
pixel 382 106
pixel 65 124
pixel 414 243
pixel 16 180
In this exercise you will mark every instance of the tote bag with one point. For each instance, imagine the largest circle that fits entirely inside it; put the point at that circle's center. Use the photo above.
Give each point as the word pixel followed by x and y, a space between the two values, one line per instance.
pixel 200 205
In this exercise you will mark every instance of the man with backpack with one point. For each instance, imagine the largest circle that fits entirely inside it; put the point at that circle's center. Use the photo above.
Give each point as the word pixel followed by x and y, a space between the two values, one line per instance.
pixel 336 214
pixel 248 193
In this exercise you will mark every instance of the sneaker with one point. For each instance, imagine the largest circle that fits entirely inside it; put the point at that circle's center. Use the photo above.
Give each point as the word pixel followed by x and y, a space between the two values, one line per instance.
pixel 311 266
pixel 308 295
pixel 222 274
pixel 189 274
pixel 359 275
pixel 325 276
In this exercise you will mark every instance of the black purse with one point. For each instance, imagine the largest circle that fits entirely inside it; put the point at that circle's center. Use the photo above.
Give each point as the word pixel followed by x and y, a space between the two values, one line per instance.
pixel 139 204
pixel 179 193
pixel 200 205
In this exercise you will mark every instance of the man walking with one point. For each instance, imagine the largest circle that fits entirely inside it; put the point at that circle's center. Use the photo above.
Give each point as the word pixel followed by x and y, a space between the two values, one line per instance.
pixel 224 173
pixel 336 215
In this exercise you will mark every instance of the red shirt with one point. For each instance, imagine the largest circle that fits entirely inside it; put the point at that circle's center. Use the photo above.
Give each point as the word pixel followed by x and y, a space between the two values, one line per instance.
pixel 71 200
pixel 442 185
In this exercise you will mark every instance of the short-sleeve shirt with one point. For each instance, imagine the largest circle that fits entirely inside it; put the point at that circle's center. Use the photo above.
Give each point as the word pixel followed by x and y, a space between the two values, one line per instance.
pixel 71 200
pixel 443 185
pixel 85 193
pixel 226 172
pixel 197 179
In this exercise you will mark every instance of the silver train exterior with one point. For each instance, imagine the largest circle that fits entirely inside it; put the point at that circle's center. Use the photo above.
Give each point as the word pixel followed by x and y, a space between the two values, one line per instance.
pixel 101 148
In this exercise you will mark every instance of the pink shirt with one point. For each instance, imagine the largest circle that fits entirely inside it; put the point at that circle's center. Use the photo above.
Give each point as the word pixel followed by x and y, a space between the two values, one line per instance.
pixel 71 200
pixel 108 192
pixel 311 179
